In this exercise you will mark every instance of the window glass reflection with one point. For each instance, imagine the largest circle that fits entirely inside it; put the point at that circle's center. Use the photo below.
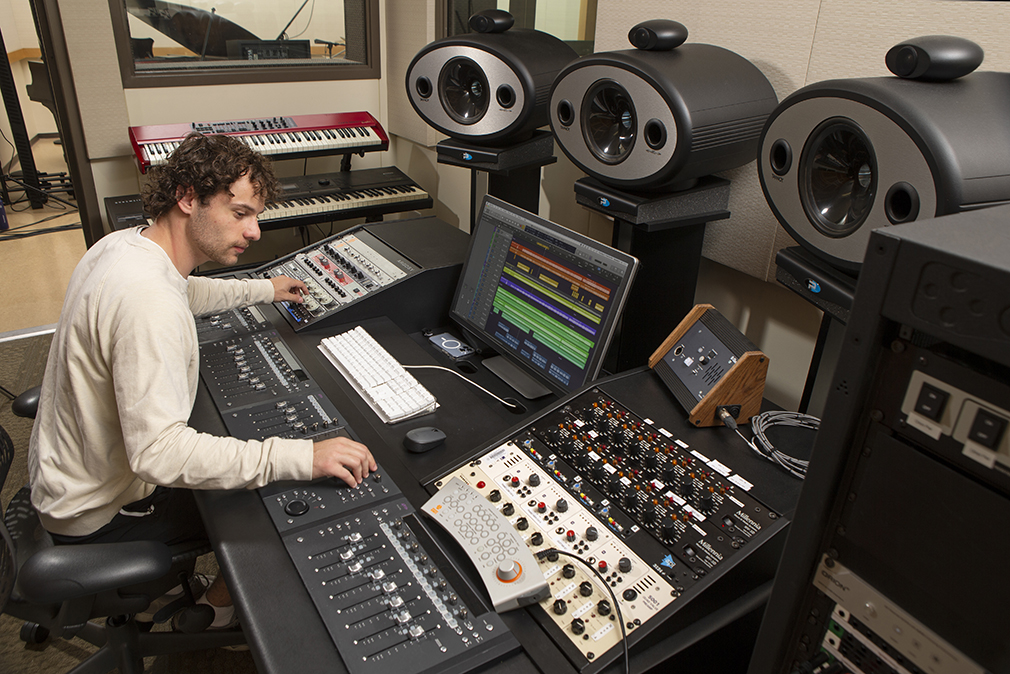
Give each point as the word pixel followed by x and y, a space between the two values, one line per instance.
pixel 208 34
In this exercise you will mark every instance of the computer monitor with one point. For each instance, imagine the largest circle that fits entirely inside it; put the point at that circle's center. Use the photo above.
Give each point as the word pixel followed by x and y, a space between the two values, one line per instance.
pixel 545 298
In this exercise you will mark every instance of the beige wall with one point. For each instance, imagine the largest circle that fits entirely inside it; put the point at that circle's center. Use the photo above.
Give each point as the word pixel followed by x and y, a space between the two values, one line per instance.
pixel 794 42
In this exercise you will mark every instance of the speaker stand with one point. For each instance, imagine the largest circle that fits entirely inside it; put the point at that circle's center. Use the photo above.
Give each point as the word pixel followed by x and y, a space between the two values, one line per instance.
pixel 513 170
pixel 830 290
pixel 665 232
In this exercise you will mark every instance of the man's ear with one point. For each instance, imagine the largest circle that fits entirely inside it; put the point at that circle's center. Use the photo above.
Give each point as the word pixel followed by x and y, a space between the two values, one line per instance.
pixel 185 198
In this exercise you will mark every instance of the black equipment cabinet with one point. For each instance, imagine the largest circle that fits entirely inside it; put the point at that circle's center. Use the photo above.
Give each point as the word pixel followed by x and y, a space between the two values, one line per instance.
pixel 893 556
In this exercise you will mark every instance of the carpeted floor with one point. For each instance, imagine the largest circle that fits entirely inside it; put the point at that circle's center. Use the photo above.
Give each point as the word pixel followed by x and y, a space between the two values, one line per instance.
pixel 22 363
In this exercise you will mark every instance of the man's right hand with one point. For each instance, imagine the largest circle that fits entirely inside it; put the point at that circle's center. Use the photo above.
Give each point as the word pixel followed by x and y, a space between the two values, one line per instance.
pixel 342 458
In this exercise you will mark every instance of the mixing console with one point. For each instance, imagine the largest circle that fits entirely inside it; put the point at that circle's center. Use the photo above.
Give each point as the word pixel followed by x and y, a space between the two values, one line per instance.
pixel 231 323
pixel 385 591
pixel 624 519
pixel 338 272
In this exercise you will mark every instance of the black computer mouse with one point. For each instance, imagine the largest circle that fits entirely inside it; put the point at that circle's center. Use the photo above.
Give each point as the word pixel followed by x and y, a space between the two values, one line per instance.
pixel 422 439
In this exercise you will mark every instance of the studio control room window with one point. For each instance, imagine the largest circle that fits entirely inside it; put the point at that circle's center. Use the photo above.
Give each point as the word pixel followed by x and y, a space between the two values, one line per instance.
pixel 162 44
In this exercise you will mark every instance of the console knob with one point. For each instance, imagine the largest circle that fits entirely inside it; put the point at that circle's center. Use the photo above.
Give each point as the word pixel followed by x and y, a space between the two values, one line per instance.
pixel 541 507
pixel 568 571
pixel 592 534
pixel 578 626
pixel 522 524
pixel 624 565
pixel 603 607
pixel 570 535
pixel 508 509
pixel 561 506
pixel 560 607
pixel 495 496
pixel 508 570
pixel 537 538
pixel 534 480
pixel 296 507
pixel 630 595
pixel 585 588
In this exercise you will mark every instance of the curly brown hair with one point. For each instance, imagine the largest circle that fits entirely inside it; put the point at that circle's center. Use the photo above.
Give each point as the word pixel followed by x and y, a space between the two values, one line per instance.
pixel 209 164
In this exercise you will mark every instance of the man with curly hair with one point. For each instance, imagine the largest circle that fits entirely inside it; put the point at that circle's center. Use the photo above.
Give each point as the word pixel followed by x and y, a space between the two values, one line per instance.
pixel 112 456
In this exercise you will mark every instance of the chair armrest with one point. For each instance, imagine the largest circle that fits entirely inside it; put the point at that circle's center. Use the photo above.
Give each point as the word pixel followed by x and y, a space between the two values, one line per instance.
pixel 63 572
pixel 27 404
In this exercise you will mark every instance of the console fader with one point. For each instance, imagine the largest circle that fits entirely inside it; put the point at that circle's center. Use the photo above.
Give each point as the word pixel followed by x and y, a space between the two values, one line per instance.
pixel 387 595
pixel 656 521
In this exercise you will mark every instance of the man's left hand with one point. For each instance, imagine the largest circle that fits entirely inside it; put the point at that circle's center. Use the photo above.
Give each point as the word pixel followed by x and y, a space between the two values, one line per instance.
pixel 288 289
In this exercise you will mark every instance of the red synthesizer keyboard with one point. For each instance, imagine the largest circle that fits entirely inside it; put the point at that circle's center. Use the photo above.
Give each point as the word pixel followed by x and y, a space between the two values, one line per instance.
pixel 291 137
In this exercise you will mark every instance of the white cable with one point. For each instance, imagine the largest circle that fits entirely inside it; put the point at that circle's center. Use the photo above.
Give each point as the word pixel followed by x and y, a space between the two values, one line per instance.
pixel 472 383
pixel 763 447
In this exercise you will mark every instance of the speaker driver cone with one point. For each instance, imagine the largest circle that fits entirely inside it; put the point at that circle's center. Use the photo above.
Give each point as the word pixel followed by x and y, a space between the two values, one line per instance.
pixel 838 177
pixel 608 122
pixel 463 89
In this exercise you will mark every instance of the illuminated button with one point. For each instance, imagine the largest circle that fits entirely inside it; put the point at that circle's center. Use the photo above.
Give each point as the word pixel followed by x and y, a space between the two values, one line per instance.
pixel 481 484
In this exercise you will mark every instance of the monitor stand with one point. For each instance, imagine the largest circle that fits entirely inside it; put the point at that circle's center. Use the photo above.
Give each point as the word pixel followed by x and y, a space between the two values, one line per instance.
pixel 525 385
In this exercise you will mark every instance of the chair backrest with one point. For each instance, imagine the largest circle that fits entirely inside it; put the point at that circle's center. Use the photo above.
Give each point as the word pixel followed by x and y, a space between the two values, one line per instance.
pixel 8 565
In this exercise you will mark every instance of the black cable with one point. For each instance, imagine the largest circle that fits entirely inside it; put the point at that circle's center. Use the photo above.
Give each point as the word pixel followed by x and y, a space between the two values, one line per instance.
pixel 617 606
pixel 9 177
pixel 38 232
pixel 7 393
pixel 38 222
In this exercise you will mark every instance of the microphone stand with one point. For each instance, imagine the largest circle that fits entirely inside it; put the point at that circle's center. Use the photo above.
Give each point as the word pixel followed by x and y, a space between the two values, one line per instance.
pixel 206 36
pixel 285 29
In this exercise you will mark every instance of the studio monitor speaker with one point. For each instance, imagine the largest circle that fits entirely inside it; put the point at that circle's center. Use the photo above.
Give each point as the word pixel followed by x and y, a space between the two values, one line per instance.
pixel 490 87
pixel 842 157
pixel 662 114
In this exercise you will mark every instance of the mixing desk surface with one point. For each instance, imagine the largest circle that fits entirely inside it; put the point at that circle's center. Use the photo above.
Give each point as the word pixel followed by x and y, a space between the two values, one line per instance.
pixel 638 525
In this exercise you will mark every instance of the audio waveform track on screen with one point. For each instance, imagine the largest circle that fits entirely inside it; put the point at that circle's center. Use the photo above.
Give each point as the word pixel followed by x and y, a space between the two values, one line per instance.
pixel 541 301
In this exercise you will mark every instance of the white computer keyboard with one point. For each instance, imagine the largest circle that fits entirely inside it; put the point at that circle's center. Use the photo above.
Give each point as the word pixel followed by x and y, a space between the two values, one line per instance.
pixel 389 390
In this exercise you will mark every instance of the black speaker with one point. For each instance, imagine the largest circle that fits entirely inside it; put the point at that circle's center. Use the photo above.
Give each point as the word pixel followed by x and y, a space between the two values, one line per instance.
pixel 489 87
pixel 893 562
pixel 842 157
pixel 660 115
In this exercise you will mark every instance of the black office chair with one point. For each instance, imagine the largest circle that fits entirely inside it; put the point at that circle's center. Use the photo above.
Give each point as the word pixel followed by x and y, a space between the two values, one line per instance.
pixel 59 589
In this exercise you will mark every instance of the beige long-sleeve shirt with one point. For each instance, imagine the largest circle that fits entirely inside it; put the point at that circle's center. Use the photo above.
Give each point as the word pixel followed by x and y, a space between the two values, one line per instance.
pixel 119 388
